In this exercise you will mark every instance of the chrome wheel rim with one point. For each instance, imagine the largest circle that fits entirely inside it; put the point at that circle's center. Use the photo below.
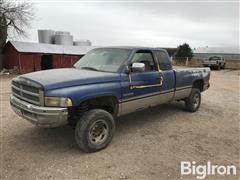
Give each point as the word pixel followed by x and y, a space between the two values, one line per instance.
pixel 98 132
pixel 196 100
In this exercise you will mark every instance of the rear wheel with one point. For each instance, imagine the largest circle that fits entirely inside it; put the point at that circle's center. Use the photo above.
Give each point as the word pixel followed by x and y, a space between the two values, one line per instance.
pixel 223 67
pixel 95 130
pixel 193 102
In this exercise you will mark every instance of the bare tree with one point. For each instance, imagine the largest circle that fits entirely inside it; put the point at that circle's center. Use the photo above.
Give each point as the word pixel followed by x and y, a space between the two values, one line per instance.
pixel 15 17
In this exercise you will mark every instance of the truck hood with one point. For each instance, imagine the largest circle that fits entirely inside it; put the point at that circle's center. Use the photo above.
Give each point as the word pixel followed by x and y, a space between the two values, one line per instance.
pixel 65 77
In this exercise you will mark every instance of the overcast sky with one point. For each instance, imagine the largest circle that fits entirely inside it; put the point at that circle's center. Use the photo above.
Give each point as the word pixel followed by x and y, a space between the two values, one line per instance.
pixel 145 23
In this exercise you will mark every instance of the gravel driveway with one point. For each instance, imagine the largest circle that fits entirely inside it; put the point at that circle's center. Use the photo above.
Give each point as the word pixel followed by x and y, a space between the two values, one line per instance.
pixel 147 145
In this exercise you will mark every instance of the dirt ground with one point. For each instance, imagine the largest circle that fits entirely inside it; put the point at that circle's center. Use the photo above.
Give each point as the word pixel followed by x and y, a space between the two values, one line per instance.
pixel 147 145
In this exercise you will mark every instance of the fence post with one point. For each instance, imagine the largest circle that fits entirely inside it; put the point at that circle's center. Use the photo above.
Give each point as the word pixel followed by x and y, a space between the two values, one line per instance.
pixel 187 61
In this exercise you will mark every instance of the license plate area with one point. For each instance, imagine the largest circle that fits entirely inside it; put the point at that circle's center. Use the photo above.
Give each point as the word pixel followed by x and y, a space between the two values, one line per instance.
pixel 18 111
pixel 29 114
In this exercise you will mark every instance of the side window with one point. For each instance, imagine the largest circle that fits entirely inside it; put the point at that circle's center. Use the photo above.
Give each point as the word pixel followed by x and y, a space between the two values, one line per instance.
pixel 163 60
pixel 145 57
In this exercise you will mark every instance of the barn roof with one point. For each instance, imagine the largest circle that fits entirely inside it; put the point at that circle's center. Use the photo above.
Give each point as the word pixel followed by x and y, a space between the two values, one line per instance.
pixel 214 50
pixel 29 47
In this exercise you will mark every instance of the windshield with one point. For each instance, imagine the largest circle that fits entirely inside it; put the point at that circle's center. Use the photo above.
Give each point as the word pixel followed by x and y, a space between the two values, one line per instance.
pixel 108 60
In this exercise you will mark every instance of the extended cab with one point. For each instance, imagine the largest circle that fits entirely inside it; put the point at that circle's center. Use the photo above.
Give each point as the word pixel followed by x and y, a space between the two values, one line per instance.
pixel 104 84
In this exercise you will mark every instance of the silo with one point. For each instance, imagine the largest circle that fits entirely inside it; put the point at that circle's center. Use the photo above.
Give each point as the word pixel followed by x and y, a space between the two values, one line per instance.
pixel 82 43
pixel 45 36
pixel 63 39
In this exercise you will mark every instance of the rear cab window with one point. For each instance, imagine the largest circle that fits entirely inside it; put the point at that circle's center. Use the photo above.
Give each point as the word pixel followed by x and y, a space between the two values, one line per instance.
pixel 214 58
pixel 163 60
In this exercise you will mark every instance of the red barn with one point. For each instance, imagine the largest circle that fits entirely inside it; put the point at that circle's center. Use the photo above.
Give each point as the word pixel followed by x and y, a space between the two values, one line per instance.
pixel 28 57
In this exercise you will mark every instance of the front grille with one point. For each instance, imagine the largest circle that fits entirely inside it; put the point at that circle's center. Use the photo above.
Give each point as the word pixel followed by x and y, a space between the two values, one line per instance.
pixel 25 91
pixel 31 89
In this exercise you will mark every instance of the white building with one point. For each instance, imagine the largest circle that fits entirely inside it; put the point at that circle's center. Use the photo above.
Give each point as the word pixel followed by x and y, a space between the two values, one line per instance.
pixel 227 53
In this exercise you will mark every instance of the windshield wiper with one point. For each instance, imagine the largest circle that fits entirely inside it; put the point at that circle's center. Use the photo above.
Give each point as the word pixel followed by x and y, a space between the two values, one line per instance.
pixel 90 68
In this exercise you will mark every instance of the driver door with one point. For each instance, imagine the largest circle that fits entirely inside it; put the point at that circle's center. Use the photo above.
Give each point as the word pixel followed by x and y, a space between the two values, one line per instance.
pixel 142 88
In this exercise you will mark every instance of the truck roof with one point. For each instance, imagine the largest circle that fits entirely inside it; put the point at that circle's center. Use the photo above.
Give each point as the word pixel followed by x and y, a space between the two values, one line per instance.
pixel 132 48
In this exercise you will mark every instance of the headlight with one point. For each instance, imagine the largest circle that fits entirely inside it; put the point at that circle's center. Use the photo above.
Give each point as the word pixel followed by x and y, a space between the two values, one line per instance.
pixel 57 101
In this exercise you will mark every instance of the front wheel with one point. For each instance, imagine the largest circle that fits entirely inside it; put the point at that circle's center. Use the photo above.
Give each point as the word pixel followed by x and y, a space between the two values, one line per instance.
pixel 94 131
pixel 193 102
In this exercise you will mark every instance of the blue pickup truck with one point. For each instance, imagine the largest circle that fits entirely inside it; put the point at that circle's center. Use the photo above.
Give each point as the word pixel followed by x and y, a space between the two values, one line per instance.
pixel 104 84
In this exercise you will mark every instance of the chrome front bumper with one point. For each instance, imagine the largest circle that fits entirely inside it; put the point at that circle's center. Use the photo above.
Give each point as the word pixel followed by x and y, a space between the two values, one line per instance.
pixel 40 116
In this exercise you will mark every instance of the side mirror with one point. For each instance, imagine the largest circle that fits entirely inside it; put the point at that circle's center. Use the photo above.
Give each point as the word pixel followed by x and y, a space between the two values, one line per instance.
pixel 138 67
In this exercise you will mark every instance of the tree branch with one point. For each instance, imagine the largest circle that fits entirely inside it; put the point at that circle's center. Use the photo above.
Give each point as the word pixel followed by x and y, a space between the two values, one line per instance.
pixel 16 15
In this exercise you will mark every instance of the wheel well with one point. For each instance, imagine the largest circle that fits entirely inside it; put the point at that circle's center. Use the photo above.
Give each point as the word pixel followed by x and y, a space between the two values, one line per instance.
pixel 198 84
pixel 107 103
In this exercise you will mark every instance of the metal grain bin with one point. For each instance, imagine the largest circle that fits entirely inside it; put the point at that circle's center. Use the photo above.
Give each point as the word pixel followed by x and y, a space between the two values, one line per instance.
pixel 46 36
pixel 82 43
pixel 62 32
pixel 63 39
